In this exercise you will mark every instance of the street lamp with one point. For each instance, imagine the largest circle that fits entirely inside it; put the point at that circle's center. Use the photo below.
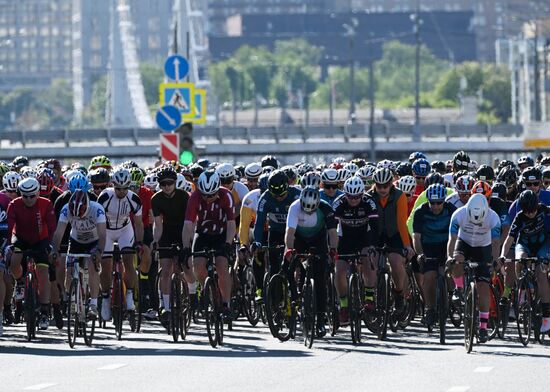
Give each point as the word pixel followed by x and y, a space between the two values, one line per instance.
pixel 351 30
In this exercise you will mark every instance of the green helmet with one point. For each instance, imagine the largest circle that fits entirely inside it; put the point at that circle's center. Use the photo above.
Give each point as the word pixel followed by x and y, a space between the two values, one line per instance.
pixel 137 175
pixel 100 161
pixel 4 168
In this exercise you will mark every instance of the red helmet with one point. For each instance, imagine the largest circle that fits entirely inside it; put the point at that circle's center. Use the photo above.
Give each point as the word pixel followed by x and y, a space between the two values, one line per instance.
pixel 483 188
pixel 46 183
pixel 464 184
pixel 336 165
pixel 79 203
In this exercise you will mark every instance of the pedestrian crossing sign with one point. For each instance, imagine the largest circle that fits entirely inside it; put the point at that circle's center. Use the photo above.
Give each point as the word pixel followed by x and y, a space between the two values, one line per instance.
pixel 179 95
pixel 200 106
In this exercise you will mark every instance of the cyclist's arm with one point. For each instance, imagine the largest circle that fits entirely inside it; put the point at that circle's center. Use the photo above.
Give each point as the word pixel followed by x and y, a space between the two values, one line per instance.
pixel 291 225
pixel 289 238
pixel 12 217
pixel 187 233
pixel 507 245
pixel 260 220
pixel 138 229
pixel 417 243
pixel 402 213
pixel 102 235
pixel 333 238
pixel 231 231
pixel 495 235
pixel 244 227
pixel 58 235
pixel 158 227
pixel 453 235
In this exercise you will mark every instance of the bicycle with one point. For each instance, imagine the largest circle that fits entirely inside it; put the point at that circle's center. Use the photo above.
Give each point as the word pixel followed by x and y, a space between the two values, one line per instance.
pixel 243 295
pixel 441 299
pixel 78 323
pixel 267 276
pixel 308 302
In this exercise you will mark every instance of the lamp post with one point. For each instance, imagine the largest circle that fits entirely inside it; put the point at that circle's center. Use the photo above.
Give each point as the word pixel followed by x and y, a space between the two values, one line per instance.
pixel 350 32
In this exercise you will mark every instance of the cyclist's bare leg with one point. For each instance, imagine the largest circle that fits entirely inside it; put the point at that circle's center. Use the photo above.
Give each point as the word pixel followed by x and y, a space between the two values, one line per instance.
pixel 130 269
pixel 15 265
pixel 93 281
pixel 458 269
pixel 145 262
pixel 399 275
pixel 483 296
pixel 369 268
pixel 166 265
pixel 8 284
pixel 542 282
pixel 341 283
pixel 43 278
pixel 224 280
pixel 199 269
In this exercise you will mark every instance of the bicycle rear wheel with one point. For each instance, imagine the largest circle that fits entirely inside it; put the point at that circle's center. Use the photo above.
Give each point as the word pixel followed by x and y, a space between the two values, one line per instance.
pixel 175 306
pixel 441 306
pixel 72 313
pixel 118 305
pixel 355 306
pixel 410 302
pixel 251 308
pixel 384 306
pixel 278 309
pixel 524 309
pixel 185 309
pixel 332 305
pixel 210 311
pixel 469 317
pixel 309 313
pixel 31 304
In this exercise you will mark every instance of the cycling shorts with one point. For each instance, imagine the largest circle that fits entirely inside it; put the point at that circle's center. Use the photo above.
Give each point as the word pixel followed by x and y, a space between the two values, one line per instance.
pixel 542 251
pixel 124 236
pixel 479 254
pixel 170 236
pixel 42 249
pixel 148 236
pixel 76 247
pixel 393 242
pixel 351 244
pixel 205 242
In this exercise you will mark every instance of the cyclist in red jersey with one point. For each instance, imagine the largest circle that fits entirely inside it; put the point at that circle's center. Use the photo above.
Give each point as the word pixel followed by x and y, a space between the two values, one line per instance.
pixel 31 225
pixel 211 211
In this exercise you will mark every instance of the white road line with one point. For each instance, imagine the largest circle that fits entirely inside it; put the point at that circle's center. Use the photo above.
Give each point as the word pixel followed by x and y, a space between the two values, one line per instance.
pixel 483 369
pixel 39 387
pixel 460 388
pixel 164 350
pixel 113 366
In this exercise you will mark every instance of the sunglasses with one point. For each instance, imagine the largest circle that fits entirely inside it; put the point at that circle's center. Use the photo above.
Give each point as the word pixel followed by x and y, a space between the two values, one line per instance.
pixel 251 180
pixel 120 189
pixel 420 177
pixel 330 186
pixel 383 186
pixel 226 181
pixel 354 197
pixel 29 196
pixel 435 203
pixel 100 187
pixel 536 183
pixel 166 183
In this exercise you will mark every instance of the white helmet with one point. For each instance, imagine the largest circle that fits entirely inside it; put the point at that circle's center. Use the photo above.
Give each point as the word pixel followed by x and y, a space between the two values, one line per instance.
pixel 386 164
pixel 180 182
pixel 366 172
pixel 477 208
pixel 187 187
pixel 352 168
pixel 382 176
pixel 311 179
pixel 309 199
pixel 121 177
pixel 339 160
pixel 209 182
pixel 29 186
pixel 70 174
pixel 406 184
pixel 343 175
pixel 150 181
pixel 226 171
pixel 354 186
pixel 27 171
pixel 10 181
pixel 329 176
pixel 253 170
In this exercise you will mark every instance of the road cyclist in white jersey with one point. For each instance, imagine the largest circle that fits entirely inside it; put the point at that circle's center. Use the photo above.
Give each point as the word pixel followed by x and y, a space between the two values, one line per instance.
pixel 87 236
pixel 119 203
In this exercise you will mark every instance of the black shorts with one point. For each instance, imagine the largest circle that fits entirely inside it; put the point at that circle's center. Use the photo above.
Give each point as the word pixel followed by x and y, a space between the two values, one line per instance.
pixel 479 254
pixel 436 254
pixel 41 249
pixel 204 242
pixel 393 242
pixel 76 247
pixel 352 244
pixel 169 237
pixel 148 235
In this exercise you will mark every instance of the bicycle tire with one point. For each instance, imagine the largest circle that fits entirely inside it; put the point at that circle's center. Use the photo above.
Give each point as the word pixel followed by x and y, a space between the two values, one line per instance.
pixel 72 313
pixel 524 309
pixel 88 329
pixel 410 302
pixel 469 317
pixel 175 306
pixel 140 296
pixel 503 322
pixel 185 309
pixel 385 307
pixel 332 305
pixel 250 307
pixel 441 306
pixel 278 310
pixel 263 315
pixel 30 307
pixel 355 306
pixel 309 313
pixel 210 311
pixel 493 324
pixel 118 305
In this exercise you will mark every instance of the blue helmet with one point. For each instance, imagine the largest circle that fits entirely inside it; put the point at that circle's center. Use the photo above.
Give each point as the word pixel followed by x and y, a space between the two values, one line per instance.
pixel 436 192
pixel 78 181
pixel 421 167
pixel 416 155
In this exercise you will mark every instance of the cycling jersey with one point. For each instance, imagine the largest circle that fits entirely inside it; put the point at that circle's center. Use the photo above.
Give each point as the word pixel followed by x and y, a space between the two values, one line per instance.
pixel 454 199
pixel 434 229
pixel 211 218
pixel 530 232
pixel 31 225
pixel 4 201
pixel 310 225
pixel 84 230
pixel 275 211
pixel 327 198
pixel 238 192
pixel 449 178
pixel 118 210
pixel 544 198
pixel 421 199
pixel 145 195
pixel 56 193
pixel 475 235
pixel 248 215
pixel 501 207
pixel 58 206
pixel 359 219
pixel 392 213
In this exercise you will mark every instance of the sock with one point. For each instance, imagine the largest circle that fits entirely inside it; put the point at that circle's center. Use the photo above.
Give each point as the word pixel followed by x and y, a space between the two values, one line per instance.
pixel 143 275
pixel 105 294
pixel 93 301
pixel 483 320
pixel 459 282
pixel 192 287
pixel 369 293
pixel 506 292
pixel 343 302
pixel 166 301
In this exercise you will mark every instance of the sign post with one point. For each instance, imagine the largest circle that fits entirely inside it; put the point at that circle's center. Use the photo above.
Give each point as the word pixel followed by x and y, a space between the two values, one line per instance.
pixel 170 146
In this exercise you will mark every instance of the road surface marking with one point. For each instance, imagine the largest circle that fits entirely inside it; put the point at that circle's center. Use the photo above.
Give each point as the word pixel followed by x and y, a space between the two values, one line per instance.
pixel 483 369
pixel 39 387
pixel 113 366
pixel 164 350
pixel 461 388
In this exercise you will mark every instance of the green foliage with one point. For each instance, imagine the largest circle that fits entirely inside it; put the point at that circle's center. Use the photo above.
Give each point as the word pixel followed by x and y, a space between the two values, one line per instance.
pixel 94 114
pixel 151 76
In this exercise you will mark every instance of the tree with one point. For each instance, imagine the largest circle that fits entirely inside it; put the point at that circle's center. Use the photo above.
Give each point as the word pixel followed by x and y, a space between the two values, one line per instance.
pixel 298 50
pixel 151 76
pixel 94 114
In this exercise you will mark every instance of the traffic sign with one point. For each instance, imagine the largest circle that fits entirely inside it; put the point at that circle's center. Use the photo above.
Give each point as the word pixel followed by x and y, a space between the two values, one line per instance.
pixel 179 95
pixel 200 106
pixel 168 118
pixel 176 67
pixel 170 146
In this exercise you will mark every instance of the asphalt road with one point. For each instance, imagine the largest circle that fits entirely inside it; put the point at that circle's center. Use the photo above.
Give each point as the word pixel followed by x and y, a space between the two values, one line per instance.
pixel 251 359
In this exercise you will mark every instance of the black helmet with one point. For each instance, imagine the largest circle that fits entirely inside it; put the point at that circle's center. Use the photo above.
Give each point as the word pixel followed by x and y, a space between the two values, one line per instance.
pixel 167 173
pixel 130 164
pixel 404 169
pixel 239 172
pixel 439 166
pixel 459 174
pixel 545 161
pixel 508 176
pixel 499 190
pixel 526 160
pixel 196 170
pixel 505 163
pixel 269 160
pixel 278 183
pixel 290 172
pixel 461 161
pixel 20 161
pixel 204 163
pixel 416 155
pixel 100 176
pixel 531 174
pixel 528 201
pixel 485 173
pixel 433 178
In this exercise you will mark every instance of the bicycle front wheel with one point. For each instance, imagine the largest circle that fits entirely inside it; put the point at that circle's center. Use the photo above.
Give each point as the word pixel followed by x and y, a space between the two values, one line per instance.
pixel 355 306
pixel 175 306
pixel 524 309
pixel 470 317
pixel 118 305
pixel 72 313
pixel 309 313
pixel 210 311
pixel 31 304
pixel 441 306
pixel 493 325
pixel 278 308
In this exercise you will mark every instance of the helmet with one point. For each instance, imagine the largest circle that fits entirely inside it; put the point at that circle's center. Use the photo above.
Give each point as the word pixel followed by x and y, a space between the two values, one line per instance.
pixel 262 183
pixel 121 177
pixel 79 203
pixel 278 183
pixel 99 176
pixel 290 172
pixel 270 160
pixel 461 161
pixel 528 201
pixel 386 164
pixel 483 188
pixel 526 160
pixel 150 181
pixel 27 171
pixel 505 163
pixel 433 178
pixel 416 155
pixel 352 168
pixel 404 169
pixel 343 175
pixel 166 173
pixel 4 168
pixel 309 199
pixel 305 168
pixel 253 170
pixel 382 176
pixel 203 162
pixel 485 173
pixel 53 164
pixel 78 181
pixel 531 174
pixel 239 172
pixel 209 182
pixel 406 184
pixel 129 164
pixel 267 169
pixel 436 192
pixel 320 167
pixel 508 175
pixel 28 186
pixel 188 187
pixel 340 160
pixel 477 208
pixel 19 162
pixel 545 161
pixel 464 184
pixel 439 166
pixel 360 162
pixel 311 179
pixel 354 186
pixel 421 167
pixel 100 161
pixel 196 170
pixel 336 165
pixel 137 175
pixel 366 173
pixel 472 166
pixel 46 183
pixel 226 172
pixel 329 176
pixel 499 190
pixel 10 181
pixel 180 181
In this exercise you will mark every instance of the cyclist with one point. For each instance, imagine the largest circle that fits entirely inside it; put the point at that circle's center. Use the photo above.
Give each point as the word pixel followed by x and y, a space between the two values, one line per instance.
pixel 463 191
pixel 87 235
pixel 47 185
pixel 329 186
pixel 460 161
pixel 210 224
pixel 474 234
pixel 430 233
pixel 31 224
pixel 310 220
pixel 119 203
pixel 252 172
pixel 358 217
pixel 99 178
pixel 9 182
pixel 238 190
pixel 420 168
pixel 407 185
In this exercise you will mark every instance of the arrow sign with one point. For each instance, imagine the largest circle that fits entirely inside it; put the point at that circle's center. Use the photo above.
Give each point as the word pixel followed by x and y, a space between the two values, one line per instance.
pixel 168 118
pixel 176 67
